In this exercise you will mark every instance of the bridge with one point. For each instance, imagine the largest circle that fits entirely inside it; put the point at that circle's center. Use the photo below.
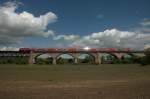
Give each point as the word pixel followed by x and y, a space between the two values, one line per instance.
pixel 95 53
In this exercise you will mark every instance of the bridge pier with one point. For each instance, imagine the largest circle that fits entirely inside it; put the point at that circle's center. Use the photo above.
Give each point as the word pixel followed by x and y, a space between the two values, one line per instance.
pixel 97 58
pixel 75 56
pixel 31 58
pixel 76 60
pixel 54 61
pixel 54 56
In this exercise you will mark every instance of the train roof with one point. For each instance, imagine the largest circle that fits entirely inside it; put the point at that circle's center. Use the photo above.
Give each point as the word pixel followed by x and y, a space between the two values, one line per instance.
pixel 74 49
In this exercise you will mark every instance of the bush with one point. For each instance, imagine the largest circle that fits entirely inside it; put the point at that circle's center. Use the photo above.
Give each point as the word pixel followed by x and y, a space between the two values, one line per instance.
pixel 145 60
pixel 14 60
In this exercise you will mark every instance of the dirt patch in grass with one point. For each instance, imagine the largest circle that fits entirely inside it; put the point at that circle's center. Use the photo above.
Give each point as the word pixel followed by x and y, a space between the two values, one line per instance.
pixel 75 82
pixel 133 89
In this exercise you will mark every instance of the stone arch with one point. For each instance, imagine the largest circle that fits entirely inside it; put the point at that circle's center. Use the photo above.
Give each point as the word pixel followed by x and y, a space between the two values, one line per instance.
pixel 91 57
pixel 70 54
pixel 124 56
pixel 111 54
pixel 39 54
pixel 128 55
pixel 114 55
pixel 60 59
pixel 108 57
pixel 49 58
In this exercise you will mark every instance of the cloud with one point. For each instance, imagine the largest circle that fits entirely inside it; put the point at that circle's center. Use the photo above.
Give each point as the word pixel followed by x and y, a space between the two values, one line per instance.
pixel 67 37
pixel 144 27
pixel 112 38
pixel 16 26
pixel 145 23
pixel 9 49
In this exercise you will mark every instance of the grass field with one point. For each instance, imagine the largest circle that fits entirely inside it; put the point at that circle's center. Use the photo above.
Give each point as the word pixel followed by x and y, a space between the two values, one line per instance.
pixel 74 82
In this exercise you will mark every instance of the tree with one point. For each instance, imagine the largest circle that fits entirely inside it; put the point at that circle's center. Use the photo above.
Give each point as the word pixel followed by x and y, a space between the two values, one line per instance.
pixel 146 59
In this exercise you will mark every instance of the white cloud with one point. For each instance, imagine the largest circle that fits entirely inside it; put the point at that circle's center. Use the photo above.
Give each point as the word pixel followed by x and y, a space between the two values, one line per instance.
pixel 66 37
pixel 112 38
pixel 9 49
pixel 16 26
pixel 144 26
pixel 145 23
pixel 138 39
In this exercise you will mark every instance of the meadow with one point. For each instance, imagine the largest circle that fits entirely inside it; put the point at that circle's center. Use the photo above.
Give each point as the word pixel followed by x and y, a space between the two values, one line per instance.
pixel 107 81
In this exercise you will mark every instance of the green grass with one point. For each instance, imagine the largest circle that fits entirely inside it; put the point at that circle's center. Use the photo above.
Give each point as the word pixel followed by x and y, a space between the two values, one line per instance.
pixel 72 72
pixel 130 81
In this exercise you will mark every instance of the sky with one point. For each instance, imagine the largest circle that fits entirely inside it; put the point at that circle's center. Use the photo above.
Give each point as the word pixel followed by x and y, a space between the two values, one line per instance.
pixel 74 23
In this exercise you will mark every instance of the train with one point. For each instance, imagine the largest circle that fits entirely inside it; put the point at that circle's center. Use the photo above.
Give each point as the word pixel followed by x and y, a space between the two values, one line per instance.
pixel 73 49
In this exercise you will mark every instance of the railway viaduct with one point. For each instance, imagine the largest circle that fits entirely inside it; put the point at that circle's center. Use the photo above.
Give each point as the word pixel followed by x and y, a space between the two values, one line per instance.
pixel 95 53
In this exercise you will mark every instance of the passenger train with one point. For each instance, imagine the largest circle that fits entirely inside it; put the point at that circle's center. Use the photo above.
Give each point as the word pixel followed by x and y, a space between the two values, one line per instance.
pixel 73 49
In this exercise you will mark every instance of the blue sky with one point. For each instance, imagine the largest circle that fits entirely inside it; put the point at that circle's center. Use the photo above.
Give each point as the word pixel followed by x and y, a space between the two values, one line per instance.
pixel 83 18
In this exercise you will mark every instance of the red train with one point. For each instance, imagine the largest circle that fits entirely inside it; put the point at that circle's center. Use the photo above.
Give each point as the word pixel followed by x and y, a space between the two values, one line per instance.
pixel 73 49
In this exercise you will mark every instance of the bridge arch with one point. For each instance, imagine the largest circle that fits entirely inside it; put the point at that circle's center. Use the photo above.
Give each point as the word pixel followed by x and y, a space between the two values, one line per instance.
pixel 117 58
pixel 65 58
pixel 108 57
pixel 128 55
pixel 40 58
pixel 86 58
